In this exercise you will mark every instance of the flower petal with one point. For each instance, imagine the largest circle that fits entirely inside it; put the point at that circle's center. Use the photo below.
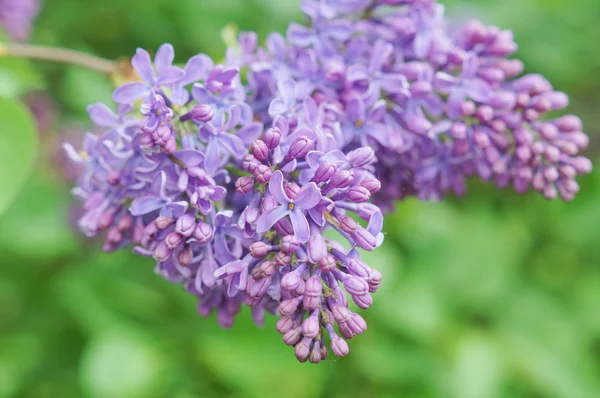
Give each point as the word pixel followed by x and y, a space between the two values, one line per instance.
pixel 276 188
pixel 143 66
pixel 211 160
pixel 308 197
pixel 145 205
pixel 299 35
pixel 190 157
pixel 270 217
pixel 170 75
pixel 130 92
pixel 164 57
pixel 102 115
pixel 233 144
pixel 300 225
pixel 277 107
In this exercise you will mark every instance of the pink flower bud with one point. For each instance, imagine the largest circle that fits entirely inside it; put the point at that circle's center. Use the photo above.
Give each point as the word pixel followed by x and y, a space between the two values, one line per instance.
pixel 259 150
pixel 202 113
pixel 300 147
pixel 244 184
pixel 258 249
pixel 185 256
pixel 327 263
pixel 185 225
pixel 173 240
pixel 262 173
pixel 203 232
pixel 163 222
pixel 358 194
pixel 290 244
pixel 272 137
pixel 324 172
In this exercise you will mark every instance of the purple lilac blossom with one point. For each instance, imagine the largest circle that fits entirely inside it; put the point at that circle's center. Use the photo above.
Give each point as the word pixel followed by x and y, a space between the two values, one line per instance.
pixel 16 17
pixel 232 188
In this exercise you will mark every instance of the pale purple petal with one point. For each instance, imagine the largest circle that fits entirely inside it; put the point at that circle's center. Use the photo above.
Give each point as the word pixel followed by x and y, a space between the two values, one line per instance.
pixel 145 205
pixel 102 115
pixel 201 94
pixel 276 188
pixel 277 107
pixel 170 75
pixel 270 217
pixel 299 35
pixel 300 225
pixel 308 197
pixel 233 144
pixel 164 57
pixel 130 92
pixel 211 160
pixel 143 66
pixel 190 157
pixel 250 133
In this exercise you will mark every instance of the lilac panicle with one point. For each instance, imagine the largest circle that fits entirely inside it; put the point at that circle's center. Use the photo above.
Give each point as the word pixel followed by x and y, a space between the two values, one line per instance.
pixel 228 175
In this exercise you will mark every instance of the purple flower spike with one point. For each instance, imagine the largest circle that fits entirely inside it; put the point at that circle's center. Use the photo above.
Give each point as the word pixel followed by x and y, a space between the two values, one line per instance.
pixel 372 102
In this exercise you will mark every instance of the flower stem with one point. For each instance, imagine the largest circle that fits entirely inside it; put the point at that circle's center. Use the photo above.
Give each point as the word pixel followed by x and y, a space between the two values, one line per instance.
pixel 61 55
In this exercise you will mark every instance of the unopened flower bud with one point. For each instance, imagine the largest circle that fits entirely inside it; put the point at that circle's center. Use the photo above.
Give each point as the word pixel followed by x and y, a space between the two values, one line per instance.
pixel 163 222
pixel 341 179
pixel 324 172
pixel 272 137
pixel 173 240
pixel 327 263
pixel 244 184
pixel 185 225
pixel 290 244
pixel 300 147
pixel 202 113
pixel 185 256
pixel 362 157
pixel 262 173
pixel 260 150
pixel 250 163
pixel 316 248
pixel 258 249
pixel 203 232
pixel 358 194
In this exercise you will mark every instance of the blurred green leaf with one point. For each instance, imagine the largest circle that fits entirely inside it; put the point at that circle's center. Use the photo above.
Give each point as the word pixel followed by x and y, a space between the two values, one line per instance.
pixel 18 149
pixel 82 87
pixel 121 365
pixel 17 76
pixel 477 368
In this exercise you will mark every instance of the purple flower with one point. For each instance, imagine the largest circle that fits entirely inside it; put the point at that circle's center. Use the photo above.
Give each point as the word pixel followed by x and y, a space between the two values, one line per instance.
pixel 308 197
pixel 153 77
pixel 158 199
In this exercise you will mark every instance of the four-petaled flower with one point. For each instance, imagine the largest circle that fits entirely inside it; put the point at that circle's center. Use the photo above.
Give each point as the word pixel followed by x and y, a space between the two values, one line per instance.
pixel 308 197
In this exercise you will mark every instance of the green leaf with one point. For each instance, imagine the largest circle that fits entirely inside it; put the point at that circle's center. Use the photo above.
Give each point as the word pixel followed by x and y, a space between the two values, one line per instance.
pixel 82 87
pixel 17 76
pixel 477 371
pixel 121 364
pixel 18 149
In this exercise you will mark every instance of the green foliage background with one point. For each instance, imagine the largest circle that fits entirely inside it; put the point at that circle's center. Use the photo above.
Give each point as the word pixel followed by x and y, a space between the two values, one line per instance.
pixel 493 295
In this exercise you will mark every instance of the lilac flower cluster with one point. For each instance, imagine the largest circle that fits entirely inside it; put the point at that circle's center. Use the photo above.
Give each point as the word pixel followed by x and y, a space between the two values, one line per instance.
pixel 258 181
pixel 16 17
pixel 436 107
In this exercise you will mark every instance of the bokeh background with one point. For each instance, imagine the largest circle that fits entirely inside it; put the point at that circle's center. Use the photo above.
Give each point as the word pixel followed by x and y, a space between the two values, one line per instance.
pixel 489 295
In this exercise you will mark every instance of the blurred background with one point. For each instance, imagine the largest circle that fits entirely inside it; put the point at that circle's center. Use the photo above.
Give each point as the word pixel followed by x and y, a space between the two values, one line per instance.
pixel 490 295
